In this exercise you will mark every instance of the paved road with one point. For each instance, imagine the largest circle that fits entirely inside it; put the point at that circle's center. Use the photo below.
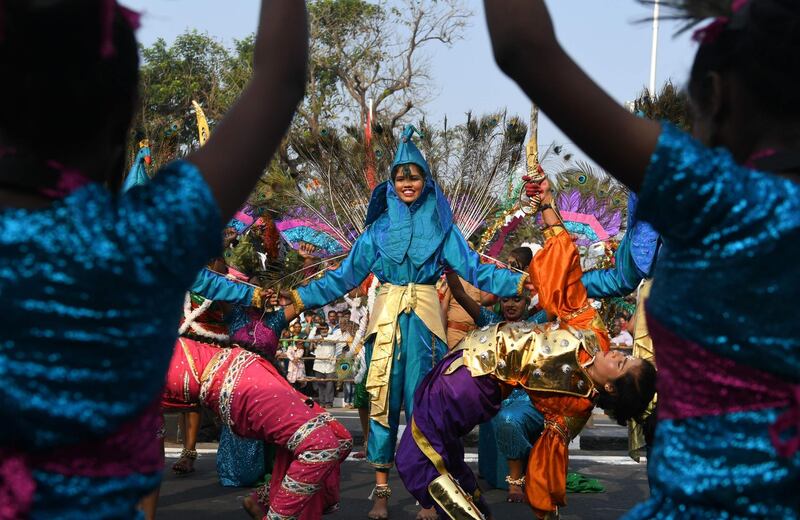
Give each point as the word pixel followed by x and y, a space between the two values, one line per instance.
pixel 200 497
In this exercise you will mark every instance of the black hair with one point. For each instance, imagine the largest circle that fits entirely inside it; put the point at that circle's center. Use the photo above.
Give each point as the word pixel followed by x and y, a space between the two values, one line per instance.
pixel 403 166
pixel 634 391
pixel 524 255
pixel 760 46
pixel 58 90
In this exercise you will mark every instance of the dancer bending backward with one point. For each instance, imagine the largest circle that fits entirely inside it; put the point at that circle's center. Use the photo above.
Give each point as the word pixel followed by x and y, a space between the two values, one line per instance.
pixel 726 203
pixel 91 279
pixel 512 432
pixel 409 241
pixel 565 367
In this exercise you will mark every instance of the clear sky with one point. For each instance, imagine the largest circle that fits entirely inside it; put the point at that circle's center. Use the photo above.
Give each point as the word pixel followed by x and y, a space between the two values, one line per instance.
pixel 603 36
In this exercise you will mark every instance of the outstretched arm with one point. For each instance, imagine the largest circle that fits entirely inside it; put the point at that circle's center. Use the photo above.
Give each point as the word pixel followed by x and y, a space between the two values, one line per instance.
pixel 253 128
pixel 556 269
pixel 526 48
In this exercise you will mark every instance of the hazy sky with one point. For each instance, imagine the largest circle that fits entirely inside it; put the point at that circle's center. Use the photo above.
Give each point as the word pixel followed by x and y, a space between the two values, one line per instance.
pixel 603 36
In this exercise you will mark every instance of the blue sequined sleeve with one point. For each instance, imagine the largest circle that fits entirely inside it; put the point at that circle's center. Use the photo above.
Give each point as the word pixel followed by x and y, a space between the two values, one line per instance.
pixel 696 195
pixel 172 224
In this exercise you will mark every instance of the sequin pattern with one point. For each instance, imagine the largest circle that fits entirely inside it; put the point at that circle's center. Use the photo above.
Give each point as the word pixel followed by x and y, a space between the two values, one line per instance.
pixel 93 286
pixel 725 282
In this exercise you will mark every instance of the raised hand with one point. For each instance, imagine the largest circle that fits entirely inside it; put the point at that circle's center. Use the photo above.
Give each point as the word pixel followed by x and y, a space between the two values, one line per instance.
pixel 307 251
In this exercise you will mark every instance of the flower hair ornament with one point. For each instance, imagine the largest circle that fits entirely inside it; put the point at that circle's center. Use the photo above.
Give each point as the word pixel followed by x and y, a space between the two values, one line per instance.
pixel 724 14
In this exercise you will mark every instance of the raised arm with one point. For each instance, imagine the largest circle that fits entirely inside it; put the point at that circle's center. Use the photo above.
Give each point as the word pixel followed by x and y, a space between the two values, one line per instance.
pixel 245 140
pixel 556 269
pixel 526 48
pixel 457 291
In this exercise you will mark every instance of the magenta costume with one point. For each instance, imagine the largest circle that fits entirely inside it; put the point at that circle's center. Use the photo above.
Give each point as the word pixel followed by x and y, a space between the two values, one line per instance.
pixel 256 402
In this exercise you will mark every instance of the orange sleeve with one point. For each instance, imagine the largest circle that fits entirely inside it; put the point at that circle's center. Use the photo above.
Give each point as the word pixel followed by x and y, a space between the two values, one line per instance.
pixel 556 274
pixel 546 476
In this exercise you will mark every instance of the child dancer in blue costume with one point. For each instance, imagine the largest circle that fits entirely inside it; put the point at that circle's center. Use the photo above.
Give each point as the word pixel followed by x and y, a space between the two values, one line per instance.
pixel 721 309
pixel 91 280
pixel 409 240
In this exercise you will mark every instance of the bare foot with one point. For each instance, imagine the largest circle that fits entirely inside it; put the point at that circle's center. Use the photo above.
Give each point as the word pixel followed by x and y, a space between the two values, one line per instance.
pixel 428 514
pixel 380 509
pixel 516 495
pixel 253 509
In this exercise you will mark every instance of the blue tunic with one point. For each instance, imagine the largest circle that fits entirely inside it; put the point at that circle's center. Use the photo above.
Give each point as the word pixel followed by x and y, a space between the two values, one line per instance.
pixel 91 290
pixel 726 281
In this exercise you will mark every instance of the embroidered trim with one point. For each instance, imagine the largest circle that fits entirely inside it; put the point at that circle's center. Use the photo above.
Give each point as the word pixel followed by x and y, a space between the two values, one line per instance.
pixel 272 515
pixel 232 375
pixel 521 284
pixel 210 371
pixel 558 429
pixel 186 395
pixel 319 456
pixel 262 495
pixel 190 360
pixel 296 487
pixel 190 320
pixel 345 445
pixel 305 430
pixel 297 301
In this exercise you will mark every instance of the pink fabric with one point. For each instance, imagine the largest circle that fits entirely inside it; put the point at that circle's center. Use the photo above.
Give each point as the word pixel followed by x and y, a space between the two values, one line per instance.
pixel 711 32
pixel 263 405
pixel 134 448
pixel 175 390
pixel 16 485
pixel 724 386
pixel 68 181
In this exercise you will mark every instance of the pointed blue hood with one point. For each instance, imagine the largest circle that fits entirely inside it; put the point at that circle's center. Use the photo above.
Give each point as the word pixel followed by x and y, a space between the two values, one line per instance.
pixel 400 229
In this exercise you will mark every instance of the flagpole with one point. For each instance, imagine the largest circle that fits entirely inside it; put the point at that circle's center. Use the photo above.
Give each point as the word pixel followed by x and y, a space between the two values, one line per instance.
pixel 654 52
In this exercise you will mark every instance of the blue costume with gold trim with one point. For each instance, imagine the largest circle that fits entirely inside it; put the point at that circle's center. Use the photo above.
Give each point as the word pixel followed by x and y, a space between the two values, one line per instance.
pixel 407 247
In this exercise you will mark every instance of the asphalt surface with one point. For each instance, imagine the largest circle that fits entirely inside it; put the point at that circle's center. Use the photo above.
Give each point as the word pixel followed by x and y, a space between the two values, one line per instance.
pixel 199 496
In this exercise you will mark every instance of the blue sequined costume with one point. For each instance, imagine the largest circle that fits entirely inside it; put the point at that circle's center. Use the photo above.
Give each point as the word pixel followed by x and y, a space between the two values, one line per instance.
pixel 511 433
pixel 91 290
pixel 408 247
pixel 723 316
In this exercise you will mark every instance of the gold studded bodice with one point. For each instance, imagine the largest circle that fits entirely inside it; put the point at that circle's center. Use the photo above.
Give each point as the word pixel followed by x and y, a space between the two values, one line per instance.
pixel 535 357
